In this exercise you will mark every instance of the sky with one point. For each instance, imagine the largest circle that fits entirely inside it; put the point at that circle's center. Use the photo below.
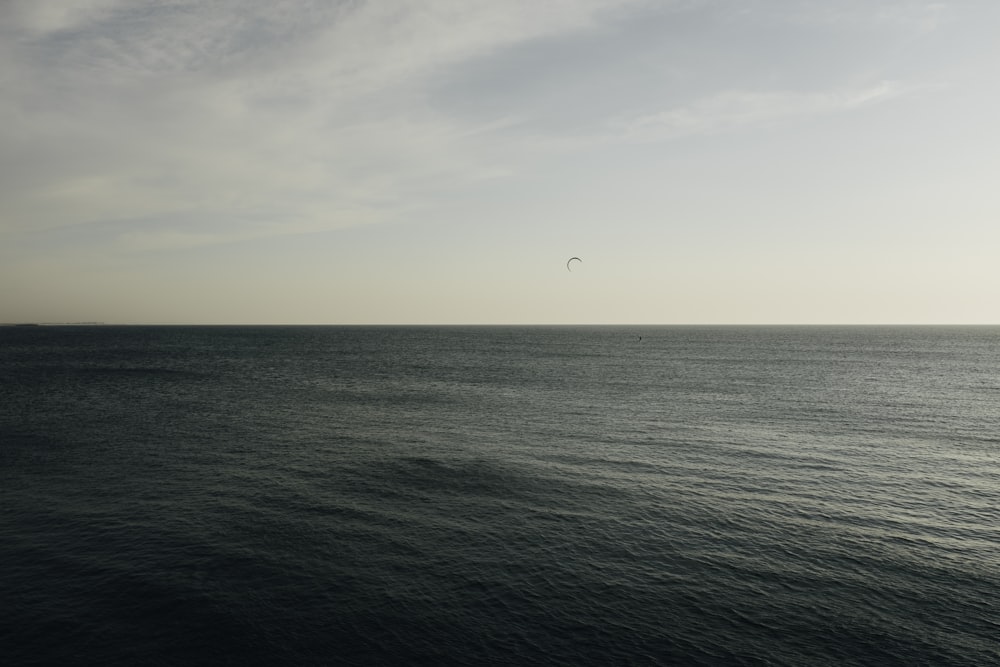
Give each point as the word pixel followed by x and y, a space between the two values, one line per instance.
pixel 438 161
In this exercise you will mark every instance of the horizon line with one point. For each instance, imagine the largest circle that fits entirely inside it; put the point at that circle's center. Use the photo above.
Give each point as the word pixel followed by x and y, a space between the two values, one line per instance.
pixel 498 324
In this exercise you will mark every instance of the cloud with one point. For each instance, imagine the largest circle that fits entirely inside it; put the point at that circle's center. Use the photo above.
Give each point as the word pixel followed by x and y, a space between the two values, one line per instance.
pixel 249 118
pixel 307 114
pixel 911 16
pixel 37 18
pixel 736 109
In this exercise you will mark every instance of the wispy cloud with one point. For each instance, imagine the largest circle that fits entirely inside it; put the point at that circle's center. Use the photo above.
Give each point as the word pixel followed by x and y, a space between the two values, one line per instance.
pixel 737 109
pixel 911 16
pixel 310 112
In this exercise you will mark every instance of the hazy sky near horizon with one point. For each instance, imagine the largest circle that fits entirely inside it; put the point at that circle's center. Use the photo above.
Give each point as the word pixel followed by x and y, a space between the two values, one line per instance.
pixel 438 161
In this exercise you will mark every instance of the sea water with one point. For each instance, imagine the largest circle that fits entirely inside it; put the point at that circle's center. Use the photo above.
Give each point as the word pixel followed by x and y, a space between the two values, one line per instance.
pixel 500 495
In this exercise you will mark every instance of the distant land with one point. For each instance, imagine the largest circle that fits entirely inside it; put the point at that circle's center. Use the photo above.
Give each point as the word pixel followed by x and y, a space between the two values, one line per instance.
pixel 50 324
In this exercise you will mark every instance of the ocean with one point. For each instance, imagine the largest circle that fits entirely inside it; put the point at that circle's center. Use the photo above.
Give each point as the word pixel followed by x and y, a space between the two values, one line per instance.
pixel 500 495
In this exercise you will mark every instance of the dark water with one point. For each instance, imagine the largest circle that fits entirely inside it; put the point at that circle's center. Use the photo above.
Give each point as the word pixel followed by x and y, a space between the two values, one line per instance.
pixel 323 495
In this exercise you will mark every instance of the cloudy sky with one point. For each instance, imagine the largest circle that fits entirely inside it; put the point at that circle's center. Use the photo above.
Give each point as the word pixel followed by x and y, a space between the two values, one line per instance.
pixel 438 161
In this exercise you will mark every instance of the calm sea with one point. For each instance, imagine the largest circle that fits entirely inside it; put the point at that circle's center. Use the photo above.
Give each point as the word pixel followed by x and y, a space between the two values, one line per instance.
pixel 500 495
